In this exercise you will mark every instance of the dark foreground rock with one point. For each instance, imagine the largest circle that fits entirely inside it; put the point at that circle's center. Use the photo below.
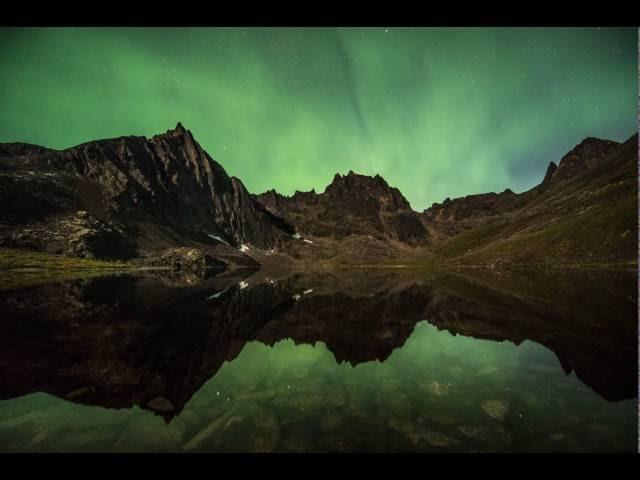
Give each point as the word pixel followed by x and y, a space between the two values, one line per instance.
pixel 187 260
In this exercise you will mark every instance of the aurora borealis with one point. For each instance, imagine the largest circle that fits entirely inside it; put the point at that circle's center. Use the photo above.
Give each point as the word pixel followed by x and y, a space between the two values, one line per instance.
pixel 438 112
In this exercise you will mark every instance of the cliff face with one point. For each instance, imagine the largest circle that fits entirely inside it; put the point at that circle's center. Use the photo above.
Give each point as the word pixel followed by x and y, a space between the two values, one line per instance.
pixel 138 192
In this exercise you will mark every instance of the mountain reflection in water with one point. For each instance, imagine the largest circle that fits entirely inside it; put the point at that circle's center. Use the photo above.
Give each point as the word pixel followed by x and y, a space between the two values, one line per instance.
pixel 372 361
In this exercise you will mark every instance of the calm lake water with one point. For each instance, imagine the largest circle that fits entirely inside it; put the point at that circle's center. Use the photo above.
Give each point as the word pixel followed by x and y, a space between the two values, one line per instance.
pixel 471 361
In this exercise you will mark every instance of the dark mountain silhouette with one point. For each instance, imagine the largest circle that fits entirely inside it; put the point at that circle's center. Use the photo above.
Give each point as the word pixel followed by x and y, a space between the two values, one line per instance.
pixel 134 197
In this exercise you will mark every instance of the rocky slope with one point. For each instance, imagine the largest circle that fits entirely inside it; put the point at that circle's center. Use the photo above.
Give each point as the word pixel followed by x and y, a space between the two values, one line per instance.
pixel 584 211
pixel 461 214
pixel 127 197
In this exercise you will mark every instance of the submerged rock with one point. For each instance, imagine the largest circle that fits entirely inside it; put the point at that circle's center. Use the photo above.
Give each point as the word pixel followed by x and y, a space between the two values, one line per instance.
pixel 187 260
pixel 144 434
pixel 495 409
pixel 160 404
pixel 474 432
pixel 79 392
pixel 299 403
pixel 245 428
pixel 419 435
pixel 436 439
pixel 434 388
pixel 331 421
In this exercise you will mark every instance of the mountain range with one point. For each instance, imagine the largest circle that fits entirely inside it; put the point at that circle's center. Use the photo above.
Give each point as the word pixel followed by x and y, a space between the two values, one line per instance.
pixel 137 198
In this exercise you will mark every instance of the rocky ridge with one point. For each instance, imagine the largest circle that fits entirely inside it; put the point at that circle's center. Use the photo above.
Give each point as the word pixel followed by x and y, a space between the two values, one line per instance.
pixel 134 197
pixel 352 204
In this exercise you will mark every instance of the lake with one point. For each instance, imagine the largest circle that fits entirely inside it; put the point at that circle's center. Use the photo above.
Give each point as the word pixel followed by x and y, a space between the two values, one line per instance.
pixel 368 360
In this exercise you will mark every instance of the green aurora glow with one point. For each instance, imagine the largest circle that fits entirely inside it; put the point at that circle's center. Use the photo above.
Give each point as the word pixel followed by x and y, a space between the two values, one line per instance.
pixel 438 112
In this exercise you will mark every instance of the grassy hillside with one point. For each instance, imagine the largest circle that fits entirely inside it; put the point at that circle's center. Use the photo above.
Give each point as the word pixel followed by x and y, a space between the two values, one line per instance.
pixel 605 234
pixel 589 219
pixel 19 268
pixel 27 259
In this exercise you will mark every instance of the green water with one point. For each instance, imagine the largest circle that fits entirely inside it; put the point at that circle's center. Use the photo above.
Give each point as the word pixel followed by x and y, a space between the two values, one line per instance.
pixel 438 392
pixel 432 391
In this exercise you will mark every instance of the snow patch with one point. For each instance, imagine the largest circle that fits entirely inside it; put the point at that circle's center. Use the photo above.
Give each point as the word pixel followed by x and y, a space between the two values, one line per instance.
pixel 244 248
pixel 243 285
pixel 306 240
pixel 296 236
pixel 306 292
pixel 297 296
pixel 217 295
pixel 218 239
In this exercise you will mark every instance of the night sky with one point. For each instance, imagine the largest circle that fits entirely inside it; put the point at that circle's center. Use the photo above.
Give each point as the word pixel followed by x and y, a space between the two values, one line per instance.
pixel 437 112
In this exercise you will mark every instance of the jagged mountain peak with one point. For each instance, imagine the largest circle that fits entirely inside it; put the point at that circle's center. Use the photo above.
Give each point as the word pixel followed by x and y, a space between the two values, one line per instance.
pixel 183 138
pixel 595 142
pixel 354 180
pixel 352 204
pixel 166 188
pixel 585 155
pixel 550 171
pixel 176 131
pixel 361 189
pixel 352 176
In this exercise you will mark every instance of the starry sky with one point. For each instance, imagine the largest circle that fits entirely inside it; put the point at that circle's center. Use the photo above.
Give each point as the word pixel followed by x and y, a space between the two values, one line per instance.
pixel 438 112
